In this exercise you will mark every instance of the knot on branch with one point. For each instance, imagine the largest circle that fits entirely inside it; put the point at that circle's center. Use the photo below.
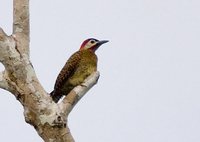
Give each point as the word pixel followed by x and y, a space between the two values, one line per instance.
pixel 54 119
pixel 60 122
pixel 53 116
pixel 47 114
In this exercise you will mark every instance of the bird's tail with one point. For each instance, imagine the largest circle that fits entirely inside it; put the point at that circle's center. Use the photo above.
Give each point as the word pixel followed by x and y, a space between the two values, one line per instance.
pixel 55 96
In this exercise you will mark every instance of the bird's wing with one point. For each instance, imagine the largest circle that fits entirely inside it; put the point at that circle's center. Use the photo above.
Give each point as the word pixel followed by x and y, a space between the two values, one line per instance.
pixel 67 71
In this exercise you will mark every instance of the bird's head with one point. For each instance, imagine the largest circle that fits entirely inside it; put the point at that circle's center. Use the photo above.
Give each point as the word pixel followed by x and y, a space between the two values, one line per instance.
pixel 92 44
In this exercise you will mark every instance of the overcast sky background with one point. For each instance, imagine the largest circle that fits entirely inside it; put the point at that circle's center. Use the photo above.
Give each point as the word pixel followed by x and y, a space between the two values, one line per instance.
pixel 149 89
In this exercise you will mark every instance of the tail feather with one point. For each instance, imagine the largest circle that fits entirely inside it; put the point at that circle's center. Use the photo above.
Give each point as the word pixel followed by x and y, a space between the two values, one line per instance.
pixel 55 96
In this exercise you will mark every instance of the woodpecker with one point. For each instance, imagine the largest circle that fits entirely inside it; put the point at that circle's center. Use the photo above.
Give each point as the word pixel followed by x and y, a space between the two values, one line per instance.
pixel 78 67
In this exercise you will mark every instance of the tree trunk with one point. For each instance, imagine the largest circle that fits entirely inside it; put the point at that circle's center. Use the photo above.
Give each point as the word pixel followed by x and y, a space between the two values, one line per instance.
pixel 48 118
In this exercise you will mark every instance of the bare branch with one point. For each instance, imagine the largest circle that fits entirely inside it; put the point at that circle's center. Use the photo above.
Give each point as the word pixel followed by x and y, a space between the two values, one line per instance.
pixel 21 25
pixel 2 34
pixel 3 82
pixel 19 78
pixel 78 92
pixel 7 84
pixel 21 17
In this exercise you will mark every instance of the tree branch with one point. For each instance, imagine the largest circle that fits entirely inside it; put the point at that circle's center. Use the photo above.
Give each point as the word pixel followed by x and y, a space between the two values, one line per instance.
pixel 3 82
pixel 48 118
pixel 8 85
pixel 21 25
pixel 78 92
pixel 2 34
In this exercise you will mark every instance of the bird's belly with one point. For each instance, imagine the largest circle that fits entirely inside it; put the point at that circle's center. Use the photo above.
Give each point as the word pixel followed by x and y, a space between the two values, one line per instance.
pixel 80 75
pixel 77 78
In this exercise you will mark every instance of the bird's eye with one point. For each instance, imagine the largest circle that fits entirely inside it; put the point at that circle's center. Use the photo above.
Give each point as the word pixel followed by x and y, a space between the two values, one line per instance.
pixel 92 41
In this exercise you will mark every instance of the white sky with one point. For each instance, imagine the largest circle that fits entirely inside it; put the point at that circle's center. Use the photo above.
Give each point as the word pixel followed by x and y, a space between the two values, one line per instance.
pixel 150 70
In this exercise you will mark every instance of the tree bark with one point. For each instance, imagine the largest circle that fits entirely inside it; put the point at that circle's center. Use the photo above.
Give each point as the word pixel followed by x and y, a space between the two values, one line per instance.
pixel 48 118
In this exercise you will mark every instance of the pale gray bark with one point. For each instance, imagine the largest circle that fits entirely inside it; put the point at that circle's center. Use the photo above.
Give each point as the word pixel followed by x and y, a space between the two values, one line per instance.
pixel 48 118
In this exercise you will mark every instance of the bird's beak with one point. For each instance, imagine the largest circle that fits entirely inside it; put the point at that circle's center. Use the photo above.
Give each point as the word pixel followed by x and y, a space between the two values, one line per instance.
pixel 102 42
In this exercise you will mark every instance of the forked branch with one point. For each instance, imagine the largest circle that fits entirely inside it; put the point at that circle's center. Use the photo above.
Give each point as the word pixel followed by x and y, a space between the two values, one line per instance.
pixel 48 118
